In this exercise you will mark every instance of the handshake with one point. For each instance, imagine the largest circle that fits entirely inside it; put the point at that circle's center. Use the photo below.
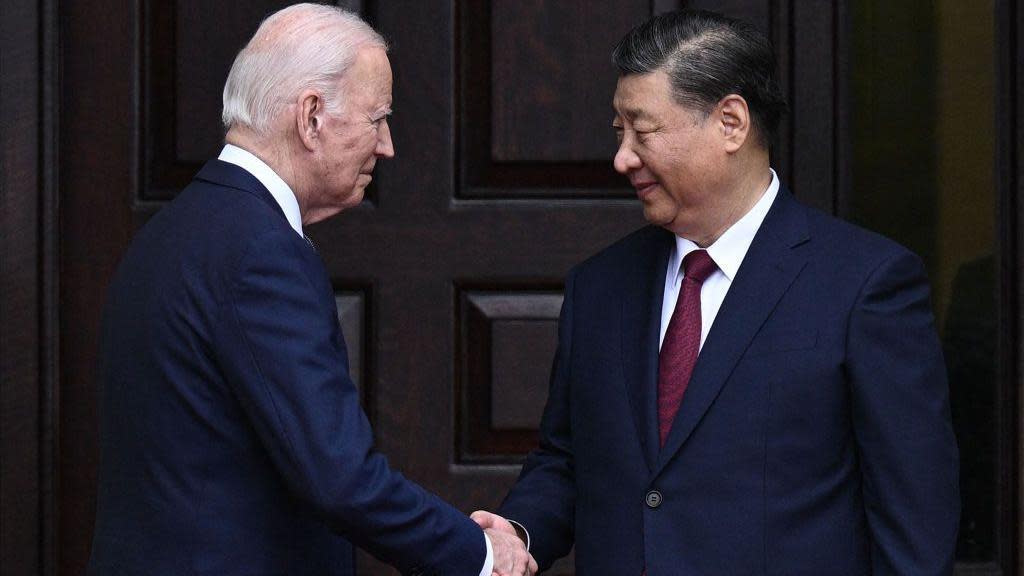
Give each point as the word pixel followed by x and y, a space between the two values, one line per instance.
pixel 511 557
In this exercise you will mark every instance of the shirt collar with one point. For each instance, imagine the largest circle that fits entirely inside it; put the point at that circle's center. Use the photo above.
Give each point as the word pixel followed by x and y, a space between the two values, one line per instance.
pixel 277 187
pixel 730 248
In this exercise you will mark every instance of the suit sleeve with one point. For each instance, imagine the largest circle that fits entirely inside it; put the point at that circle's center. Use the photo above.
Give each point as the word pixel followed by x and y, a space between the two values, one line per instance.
pixel 283 356
pixel 543 499
pixel 900 398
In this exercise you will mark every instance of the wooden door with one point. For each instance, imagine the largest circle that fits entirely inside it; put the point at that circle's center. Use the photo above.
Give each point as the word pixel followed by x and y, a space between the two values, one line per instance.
pixel 449 274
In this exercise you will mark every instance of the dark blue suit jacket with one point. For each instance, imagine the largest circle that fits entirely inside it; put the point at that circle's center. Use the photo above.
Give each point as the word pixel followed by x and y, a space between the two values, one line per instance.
pixel 232 439
pixel 814 438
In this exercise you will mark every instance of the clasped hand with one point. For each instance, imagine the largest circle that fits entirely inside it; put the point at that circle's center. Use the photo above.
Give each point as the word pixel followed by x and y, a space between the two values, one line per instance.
pixel 510 555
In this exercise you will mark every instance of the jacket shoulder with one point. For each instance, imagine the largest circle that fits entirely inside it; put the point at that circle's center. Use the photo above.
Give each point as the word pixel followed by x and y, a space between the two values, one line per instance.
pixel 625 252
pixel 845 242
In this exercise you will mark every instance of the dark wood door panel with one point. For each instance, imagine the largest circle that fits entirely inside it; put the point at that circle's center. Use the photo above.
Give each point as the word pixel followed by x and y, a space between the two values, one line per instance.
pixel 186 51
pixel 98 159
pixel 25 298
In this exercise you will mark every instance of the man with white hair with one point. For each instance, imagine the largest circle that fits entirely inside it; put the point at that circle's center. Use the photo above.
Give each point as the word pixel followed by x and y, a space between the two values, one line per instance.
pixel 232 439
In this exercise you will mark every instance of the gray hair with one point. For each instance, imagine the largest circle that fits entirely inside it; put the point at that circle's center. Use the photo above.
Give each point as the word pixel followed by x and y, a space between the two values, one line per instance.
pixel 708 56
pixel 299 47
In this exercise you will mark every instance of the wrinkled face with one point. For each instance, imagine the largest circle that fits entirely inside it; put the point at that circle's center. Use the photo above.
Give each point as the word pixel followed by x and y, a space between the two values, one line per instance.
pixel 671 154
pixel 353 140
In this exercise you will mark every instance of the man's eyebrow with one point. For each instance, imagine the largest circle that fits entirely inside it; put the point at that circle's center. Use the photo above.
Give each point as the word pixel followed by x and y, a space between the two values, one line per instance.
pixel 633 114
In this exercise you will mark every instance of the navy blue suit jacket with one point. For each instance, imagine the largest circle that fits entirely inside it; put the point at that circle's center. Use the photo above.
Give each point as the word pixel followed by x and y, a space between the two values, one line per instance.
pixel 814 437
pixel 232 439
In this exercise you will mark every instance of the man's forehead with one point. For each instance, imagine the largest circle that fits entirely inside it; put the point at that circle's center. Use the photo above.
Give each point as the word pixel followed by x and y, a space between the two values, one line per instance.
pixel 637 95
pixel 634 109
pixel 370 74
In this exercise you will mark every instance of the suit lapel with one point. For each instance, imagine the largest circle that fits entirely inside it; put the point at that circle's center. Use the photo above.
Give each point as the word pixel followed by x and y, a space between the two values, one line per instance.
pixel 767 271
pixel 641 326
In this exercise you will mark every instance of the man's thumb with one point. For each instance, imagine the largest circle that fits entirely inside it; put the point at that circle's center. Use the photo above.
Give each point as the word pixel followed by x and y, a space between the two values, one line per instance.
pixel 484 519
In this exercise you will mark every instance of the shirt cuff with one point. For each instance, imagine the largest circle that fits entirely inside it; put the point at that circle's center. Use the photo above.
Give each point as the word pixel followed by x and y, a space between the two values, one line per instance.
pixel 489 561
pixel 522 532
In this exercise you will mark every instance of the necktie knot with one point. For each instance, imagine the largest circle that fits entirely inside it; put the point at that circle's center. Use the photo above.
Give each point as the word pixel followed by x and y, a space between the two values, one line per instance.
pixel 698 265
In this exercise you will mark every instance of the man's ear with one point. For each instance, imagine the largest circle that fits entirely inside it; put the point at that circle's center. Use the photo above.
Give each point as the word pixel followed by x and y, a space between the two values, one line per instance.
pixel 734 116
pixel 309 118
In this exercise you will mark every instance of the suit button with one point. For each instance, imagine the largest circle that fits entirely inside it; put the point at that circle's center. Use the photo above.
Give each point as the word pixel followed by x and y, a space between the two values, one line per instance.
pixel 653 499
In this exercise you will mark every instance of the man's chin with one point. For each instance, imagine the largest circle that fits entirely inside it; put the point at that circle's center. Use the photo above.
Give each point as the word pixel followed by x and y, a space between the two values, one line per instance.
pixel 356 196
pixel 657 217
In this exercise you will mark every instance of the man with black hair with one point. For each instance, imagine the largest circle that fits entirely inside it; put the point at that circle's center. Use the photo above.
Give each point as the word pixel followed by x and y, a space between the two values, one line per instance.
pixel 747 385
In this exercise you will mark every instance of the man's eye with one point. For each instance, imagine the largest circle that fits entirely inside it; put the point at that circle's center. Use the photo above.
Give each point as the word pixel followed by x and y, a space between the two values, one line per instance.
pixel 642 135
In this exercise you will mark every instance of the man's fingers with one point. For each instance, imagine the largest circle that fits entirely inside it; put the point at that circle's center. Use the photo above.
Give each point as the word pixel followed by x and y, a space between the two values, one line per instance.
pixel 518 566
pixel 531 567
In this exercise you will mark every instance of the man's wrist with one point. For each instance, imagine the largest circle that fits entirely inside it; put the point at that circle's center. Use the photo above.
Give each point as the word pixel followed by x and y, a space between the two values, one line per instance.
pixel 522 532
pixel 489 560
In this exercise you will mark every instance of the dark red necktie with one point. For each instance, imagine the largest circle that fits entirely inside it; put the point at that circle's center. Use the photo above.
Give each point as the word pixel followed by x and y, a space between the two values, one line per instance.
pixel 682 340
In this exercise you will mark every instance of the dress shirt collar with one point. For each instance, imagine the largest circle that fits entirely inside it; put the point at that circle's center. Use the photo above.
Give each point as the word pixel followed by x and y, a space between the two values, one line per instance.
pixel 277 187
pixel 730 248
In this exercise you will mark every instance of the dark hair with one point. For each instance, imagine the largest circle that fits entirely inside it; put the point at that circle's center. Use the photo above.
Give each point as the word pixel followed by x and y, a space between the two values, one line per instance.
pixel 707 56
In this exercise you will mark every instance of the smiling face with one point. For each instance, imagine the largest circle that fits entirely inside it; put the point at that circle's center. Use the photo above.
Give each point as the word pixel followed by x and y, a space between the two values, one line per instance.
pixel 351 141
pixel 674 157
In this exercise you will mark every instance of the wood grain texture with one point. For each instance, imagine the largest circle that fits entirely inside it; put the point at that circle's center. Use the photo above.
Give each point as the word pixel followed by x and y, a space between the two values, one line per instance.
pixel 534 98
pixel 519 377
pixel 1010 163
pixel 352 309
pixel 20 287
pixel 550 89
pixel 182 74
pixel 812 103
pixel 507 335
pixel 98 167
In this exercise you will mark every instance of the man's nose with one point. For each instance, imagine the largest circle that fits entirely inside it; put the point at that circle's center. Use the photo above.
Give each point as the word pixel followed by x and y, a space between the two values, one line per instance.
pixel 625 158
pixel 385 147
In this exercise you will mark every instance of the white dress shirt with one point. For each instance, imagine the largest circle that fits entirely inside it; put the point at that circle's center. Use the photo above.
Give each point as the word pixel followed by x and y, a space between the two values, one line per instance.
pixel 285 198
pixel 727 252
